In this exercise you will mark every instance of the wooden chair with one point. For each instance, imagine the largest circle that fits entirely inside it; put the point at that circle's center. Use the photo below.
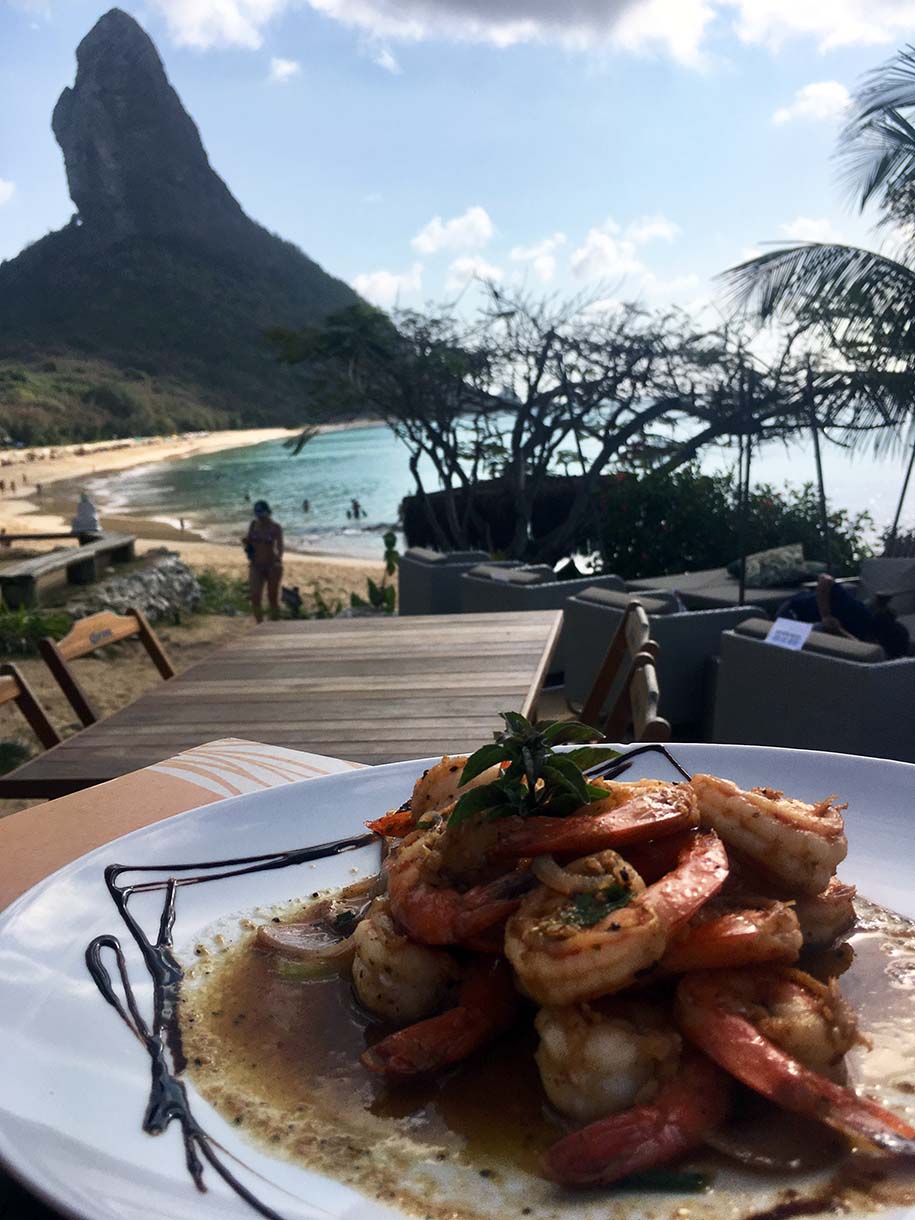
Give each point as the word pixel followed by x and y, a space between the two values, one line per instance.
pixel 93 632
pixel 628 673
pixel 15 689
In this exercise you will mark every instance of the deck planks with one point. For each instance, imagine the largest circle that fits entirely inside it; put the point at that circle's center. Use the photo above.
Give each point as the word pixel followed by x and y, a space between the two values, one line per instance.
pixel 369 690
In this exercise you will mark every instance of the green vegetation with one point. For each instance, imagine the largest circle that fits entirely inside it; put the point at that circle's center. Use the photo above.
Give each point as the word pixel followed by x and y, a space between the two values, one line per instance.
pixel 221 593
pixel 150 336
pixel 20 630
pixel 12 755
pixel 383 596
pixel 687 521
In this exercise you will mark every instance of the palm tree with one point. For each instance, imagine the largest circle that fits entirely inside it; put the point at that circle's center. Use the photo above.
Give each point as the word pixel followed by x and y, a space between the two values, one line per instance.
pixel 859 303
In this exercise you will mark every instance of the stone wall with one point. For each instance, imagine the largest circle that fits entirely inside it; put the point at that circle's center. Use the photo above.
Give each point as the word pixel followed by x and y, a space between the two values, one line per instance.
pixel 163 589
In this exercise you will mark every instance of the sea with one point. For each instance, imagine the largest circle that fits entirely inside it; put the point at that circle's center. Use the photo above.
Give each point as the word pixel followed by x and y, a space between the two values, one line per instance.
pixel 212 494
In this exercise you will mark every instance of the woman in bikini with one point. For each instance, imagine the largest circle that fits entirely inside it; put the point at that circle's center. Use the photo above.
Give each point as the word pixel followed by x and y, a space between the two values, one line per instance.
pixel 264 548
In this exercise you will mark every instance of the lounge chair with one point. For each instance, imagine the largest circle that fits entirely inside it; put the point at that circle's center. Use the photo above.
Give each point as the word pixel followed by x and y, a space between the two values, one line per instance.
pixel 686 639
pixel 714 589
pixel 834 694
pixel 427 580
pixel 487 589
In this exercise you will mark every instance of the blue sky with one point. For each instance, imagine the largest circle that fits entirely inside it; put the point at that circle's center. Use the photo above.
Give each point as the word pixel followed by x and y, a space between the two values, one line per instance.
pixel 623 148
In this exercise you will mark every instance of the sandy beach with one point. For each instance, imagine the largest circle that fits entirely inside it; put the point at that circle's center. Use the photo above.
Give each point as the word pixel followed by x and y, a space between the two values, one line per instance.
pixel 41 487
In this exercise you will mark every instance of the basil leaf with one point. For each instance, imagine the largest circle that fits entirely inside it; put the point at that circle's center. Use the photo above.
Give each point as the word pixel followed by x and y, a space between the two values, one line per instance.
pixel 481 760
pixel 517 724
pixel 562 767
pixel 475 801
pixel 589 756
pixel 570 730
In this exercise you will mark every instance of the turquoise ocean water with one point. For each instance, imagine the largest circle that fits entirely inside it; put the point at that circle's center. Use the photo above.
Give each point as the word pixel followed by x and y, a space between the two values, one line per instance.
pixel 370 464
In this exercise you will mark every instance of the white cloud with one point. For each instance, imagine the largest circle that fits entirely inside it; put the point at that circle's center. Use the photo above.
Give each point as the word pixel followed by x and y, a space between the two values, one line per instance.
pixel 213 23
pixel 283 70
pixel 831 23
pixel 805 228
pixel 386 287
pixel 468 232
pixel 384 59
pixel 468 268
pixel 824 99
pixel 676 28
pixel 651 228
pixel 541 256
pixel 7 190
pixel 605 255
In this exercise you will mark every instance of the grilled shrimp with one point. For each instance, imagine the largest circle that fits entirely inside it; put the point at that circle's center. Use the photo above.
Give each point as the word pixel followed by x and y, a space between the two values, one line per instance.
pixel 728 933
pixel 597 1060
pixel 424 898
pixel 395 978
pixel 824 917
pixel 774 1030
pixel 568 947
pixel 795 844
pixel 435 791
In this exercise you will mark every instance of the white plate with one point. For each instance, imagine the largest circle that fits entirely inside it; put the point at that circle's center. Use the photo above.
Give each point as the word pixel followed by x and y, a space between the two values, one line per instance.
pixel 74 1082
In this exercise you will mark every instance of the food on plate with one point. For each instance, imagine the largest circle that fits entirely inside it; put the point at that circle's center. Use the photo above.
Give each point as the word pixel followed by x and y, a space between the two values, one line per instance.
pixel 640 941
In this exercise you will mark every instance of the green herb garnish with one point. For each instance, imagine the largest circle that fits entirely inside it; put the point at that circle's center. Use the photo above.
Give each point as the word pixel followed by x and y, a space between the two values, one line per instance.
pixel 677 1181
pixel 535 779
pixel 345 922
pixel 590 908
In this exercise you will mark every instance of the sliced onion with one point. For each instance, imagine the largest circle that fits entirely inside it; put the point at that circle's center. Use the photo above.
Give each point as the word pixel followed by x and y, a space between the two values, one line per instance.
pixel 555 877
pixel 306 942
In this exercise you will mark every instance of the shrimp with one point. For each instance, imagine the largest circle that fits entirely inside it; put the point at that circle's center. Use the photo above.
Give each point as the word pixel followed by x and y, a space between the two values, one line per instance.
pixel 629 813
pixel 775 1030
pixel 726 934
pixel 824 917
pixel 487 1006
pixel 428 906
pixel 569 948
pixel 795 844
pixel 394 978
pixel 597 1060
pixel 435 791
pixel 691 1104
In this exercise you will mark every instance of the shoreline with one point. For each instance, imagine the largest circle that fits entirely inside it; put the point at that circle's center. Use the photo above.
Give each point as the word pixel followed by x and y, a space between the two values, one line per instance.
pixel 41 484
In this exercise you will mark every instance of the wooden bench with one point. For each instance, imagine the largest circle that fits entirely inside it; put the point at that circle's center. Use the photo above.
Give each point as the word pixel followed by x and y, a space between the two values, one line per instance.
pixel 26 581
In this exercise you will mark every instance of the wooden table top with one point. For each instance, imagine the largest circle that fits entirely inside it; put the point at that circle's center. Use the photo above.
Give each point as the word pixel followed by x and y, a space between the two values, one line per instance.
pixel 368 690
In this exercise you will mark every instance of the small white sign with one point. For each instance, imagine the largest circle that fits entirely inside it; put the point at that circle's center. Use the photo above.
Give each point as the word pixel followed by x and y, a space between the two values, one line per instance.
pixel 787 633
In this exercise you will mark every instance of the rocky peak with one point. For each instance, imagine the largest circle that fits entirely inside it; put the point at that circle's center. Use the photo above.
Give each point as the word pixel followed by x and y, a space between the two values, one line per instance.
pixel 134 158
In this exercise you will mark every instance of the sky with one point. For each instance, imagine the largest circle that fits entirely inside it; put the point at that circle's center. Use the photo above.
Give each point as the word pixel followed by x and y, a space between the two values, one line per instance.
pixel 624 149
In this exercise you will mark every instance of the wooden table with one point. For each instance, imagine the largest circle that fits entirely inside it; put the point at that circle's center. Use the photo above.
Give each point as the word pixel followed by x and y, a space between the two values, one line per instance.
pixel 369 690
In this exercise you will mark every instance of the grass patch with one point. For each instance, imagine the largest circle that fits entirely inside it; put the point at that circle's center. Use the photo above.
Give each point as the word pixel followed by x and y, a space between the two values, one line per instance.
pixel 12 755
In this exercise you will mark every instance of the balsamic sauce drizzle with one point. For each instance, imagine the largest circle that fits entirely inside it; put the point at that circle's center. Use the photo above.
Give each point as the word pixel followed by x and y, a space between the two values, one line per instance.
pixel 168 1100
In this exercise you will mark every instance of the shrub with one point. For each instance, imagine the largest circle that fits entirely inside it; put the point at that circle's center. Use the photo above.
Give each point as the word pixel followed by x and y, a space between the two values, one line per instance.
pixel 221 593
pixel 652 526
pixel 20 630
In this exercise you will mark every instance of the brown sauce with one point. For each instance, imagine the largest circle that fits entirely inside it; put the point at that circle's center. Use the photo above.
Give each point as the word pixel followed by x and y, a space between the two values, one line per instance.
pixel 280 1057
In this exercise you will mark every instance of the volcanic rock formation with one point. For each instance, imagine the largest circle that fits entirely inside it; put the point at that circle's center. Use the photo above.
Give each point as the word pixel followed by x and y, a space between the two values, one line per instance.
pixel 160 270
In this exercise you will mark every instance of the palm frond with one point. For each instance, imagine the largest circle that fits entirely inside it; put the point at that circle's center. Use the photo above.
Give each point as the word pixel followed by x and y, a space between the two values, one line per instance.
pixel 807 278
pixel 879 160
pixel 889 87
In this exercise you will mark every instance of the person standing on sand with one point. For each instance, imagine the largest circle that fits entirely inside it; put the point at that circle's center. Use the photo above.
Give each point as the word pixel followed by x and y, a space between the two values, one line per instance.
pixel 263 545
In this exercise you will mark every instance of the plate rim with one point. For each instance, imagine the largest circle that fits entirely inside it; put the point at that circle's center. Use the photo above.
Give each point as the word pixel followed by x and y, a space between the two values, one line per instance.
pixel 20 1173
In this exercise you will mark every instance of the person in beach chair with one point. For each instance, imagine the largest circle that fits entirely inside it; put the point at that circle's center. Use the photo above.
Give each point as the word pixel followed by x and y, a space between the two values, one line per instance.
pixel 839 612
pixel 263 545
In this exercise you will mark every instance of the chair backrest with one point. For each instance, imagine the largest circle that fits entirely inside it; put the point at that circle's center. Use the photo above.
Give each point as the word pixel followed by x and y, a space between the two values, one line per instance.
pixel 644 697
pixel 14 688
pixel 86 636
pixel 631 639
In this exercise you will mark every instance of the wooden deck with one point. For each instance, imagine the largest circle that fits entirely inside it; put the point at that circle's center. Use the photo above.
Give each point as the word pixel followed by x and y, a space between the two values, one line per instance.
pixel 367 690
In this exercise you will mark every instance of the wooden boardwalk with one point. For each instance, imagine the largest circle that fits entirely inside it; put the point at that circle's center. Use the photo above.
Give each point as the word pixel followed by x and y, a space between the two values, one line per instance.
pixel 368 690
